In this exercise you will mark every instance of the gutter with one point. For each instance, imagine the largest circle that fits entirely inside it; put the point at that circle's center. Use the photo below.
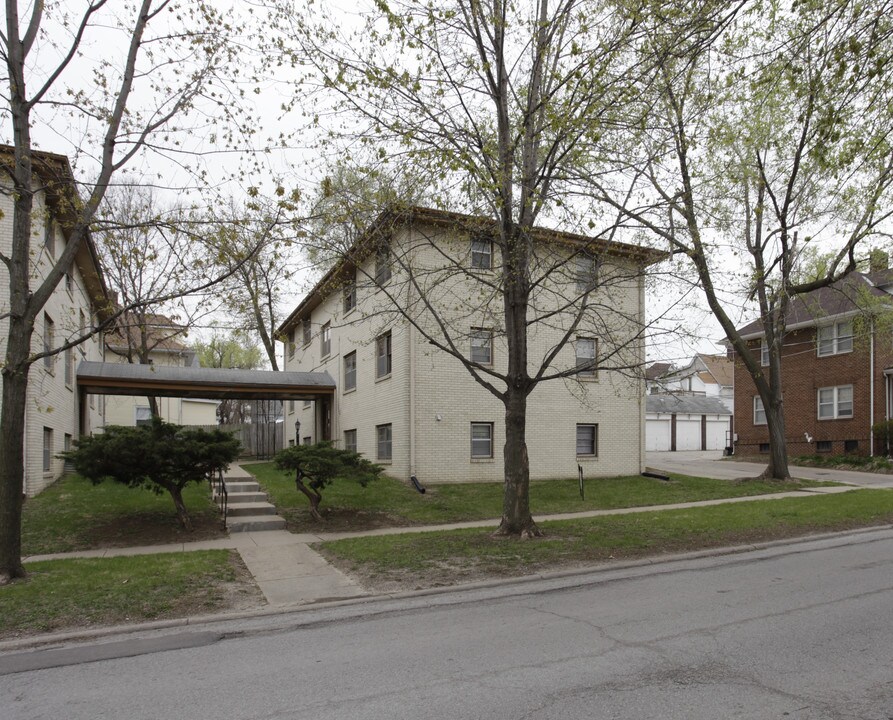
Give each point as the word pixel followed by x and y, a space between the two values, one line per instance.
pixel 871 393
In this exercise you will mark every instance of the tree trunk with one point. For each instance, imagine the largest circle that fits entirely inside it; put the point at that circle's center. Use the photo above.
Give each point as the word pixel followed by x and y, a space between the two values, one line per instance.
pixel 153 406
pixel 12 464
pixel 312 494
pixel 516 517
pixel 778 449
pixel 182 515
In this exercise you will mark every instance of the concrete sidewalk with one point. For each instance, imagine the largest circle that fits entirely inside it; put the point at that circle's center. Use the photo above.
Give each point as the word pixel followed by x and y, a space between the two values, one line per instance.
pixel 290 573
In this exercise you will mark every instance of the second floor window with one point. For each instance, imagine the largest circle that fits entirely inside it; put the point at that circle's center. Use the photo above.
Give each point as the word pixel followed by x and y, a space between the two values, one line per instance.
pixel 350 371
pixel 383 355
pixel 764 353
pixel 836 338
pixel 481 253
pixel 585 356
pixel 482 346
pixel 291 344
pixel 325 340
pixel 306 331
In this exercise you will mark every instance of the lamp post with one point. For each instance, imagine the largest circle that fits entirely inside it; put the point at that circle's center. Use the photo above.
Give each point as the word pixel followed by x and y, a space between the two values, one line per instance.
pixel 297 432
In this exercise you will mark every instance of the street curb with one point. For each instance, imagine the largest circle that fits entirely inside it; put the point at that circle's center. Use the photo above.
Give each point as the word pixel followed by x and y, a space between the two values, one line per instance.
pixel 90 634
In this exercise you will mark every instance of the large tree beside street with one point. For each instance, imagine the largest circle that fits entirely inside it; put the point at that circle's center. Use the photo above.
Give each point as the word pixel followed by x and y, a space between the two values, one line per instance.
pixel 766 139
pixel 119 82
pixel 490 105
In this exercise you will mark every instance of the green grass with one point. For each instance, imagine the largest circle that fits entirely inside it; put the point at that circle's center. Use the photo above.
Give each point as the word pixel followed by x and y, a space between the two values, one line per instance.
pixel 438 558
pixel 60 594
pixel 391 502
pixel 865 463
pixel 73 514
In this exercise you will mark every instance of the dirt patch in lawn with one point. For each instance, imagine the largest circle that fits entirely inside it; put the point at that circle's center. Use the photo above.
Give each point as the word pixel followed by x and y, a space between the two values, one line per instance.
pixel 341 520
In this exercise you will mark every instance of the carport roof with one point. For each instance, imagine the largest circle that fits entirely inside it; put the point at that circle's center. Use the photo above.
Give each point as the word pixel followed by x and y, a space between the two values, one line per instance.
pixel 100 378
pixel 685 404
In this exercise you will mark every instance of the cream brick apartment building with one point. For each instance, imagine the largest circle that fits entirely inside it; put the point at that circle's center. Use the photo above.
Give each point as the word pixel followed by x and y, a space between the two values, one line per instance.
pixel 421 275
pixel 54 414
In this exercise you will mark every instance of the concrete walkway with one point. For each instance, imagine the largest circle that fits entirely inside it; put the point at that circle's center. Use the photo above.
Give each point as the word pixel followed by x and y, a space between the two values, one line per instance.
pixel 290 573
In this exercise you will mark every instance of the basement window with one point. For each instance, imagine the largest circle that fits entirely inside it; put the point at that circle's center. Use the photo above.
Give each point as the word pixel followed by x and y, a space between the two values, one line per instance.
pixel 823 446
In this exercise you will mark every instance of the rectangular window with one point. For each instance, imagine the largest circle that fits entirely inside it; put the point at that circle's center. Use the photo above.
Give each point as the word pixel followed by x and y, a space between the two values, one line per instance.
pixel 383 355
pixel 383 444
pixel 47 449
pixel 587 439
pixel 291 406
pixel 764 447
pixel 308 440
pixel 49 334
pixel 587 271
pixel 306 331
pixel 482 346
pixel 350 294
pixel 481 253
pixel 824 446
pixel 835 402
pixel 382 264
pixel 69 283
pixel 325 340
pixel 142 415
pixel 481 440
pixel 764 353
pixel 49 237
pixel 759 412
pixel 350 371
pixel 850 446
pixel 835 339
pixel 585 360
pixel 350 440
pixel 69 367
pixel 291 344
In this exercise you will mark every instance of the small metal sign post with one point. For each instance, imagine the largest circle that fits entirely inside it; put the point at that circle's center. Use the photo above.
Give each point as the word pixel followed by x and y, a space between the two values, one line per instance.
pixel 580 472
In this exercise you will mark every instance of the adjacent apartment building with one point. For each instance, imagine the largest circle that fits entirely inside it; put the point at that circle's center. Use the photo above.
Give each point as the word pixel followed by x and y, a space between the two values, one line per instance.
pixel 420 277
pixel 55 415
pixel 837 365
pixel 158 339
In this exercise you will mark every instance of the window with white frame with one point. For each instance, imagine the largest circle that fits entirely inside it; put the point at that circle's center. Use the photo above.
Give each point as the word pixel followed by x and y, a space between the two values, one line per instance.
pixel 835 339
pixel 142 415
pixel 764 353
pixel 383 442
pixel 481 440
pixel 587 271
pixel 587 439
pixel 350 440
pixel 350 293
pixel 383 355
pixel 481 253
pixel 47 449
pixel 350 371
pixel 584 349
pixel 306 331
pixel 49 334
pixel 835 402
pixel 325 340
pixel 482 346
pixel 759 412
pixel 382 264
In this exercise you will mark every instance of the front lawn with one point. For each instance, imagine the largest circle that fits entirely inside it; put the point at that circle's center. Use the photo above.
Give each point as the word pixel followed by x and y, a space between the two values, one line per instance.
pixel 74 514
pixel 389 502
pixel 62 594
pixel 431 559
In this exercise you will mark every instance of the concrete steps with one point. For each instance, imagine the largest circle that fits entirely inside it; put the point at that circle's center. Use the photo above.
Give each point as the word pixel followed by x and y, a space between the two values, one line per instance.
pixel 247 507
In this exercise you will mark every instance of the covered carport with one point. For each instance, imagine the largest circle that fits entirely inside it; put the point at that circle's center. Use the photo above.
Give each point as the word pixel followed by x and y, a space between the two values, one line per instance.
pixel 99 378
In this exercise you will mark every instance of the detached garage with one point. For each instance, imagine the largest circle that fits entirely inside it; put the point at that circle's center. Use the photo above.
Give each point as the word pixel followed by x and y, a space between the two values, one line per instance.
pixel 686 422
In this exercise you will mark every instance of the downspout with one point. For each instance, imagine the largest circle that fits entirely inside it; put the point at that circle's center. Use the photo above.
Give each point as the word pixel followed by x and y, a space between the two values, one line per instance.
pixel 641 383
pixel 411 339
pixel 871 393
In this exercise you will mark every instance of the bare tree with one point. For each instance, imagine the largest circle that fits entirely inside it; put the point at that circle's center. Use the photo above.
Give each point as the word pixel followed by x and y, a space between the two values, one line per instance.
pixel 494 103
pixel 763 135
pixel 151 64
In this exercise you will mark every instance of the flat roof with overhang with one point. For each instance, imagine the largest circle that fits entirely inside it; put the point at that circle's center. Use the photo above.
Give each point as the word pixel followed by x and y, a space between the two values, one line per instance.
pixel 99 378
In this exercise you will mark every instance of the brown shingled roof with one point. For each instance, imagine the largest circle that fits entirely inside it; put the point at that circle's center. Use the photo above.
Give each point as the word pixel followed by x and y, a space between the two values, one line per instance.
pixel 720 368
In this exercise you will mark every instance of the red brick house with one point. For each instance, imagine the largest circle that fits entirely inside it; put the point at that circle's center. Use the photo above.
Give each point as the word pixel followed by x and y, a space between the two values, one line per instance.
pixel 837 365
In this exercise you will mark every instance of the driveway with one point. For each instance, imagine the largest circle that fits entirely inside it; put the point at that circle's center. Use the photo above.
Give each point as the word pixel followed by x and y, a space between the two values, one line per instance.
pixel 711 464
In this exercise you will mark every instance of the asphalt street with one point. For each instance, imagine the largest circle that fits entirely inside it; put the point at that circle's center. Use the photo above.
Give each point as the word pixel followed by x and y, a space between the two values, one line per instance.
pixel 799 631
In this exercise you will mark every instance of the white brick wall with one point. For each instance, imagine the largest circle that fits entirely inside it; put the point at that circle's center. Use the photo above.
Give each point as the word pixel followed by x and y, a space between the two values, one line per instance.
pixel 52 403
pixel 439 400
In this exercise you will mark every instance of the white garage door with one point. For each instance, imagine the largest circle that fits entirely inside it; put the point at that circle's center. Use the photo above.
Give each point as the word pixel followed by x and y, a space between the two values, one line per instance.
pixel 688 432
pixel 716 431
pixel 657 434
